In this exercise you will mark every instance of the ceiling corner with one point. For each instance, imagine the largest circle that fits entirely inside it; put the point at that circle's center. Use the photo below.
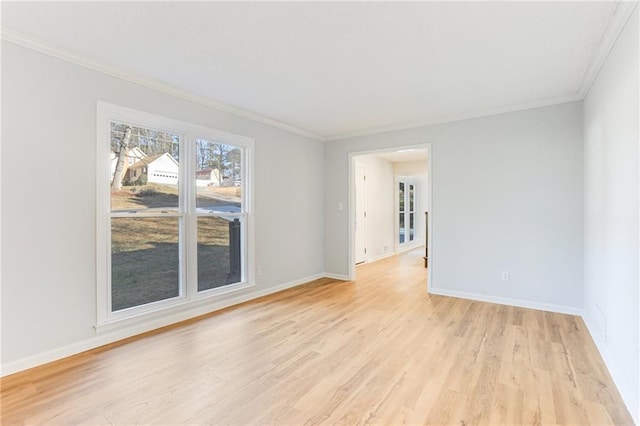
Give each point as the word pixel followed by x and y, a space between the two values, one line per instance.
pixel 620 17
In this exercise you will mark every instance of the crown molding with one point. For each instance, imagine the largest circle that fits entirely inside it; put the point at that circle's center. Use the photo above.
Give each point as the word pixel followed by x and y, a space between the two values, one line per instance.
pixel 483 112
pixel 620 17
pixel 105 68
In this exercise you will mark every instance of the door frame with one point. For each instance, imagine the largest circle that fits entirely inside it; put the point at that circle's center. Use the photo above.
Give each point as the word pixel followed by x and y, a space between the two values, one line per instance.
pixel 352 208
pixel 363 228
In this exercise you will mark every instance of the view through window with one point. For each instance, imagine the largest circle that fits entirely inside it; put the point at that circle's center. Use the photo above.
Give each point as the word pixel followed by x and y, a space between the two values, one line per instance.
pixel 146 219
pixel 177 216
pixel 218 207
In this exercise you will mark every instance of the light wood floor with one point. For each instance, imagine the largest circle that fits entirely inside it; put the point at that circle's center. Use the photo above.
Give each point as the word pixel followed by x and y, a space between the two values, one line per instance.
pixel 378 350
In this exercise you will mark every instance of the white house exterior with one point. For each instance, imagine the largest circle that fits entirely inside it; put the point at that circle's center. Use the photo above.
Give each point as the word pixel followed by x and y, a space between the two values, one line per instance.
pixel 160 168
pixel 208 177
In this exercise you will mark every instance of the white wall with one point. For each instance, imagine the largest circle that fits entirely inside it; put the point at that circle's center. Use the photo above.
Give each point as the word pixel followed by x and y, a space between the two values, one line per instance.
pixel 48 241
pixel 507 195
pixel 417 171
pixel 611 213
pixel 380 202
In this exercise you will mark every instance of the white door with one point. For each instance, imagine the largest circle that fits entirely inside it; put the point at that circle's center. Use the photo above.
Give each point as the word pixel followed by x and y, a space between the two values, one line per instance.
pixel 361 215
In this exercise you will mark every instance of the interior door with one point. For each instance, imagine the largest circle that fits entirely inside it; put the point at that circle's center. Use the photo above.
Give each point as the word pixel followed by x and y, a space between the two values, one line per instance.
pixel 361 215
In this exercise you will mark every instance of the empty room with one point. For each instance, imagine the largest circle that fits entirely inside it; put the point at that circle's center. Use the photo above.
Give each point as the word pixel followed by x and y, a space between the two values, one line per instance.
pixel 288 213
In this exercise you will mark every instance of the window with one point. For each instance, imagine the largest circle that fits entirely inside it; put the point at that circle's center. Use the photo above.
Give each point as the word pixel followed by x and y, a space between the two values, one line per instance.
pixel 406 212
pixel 173 216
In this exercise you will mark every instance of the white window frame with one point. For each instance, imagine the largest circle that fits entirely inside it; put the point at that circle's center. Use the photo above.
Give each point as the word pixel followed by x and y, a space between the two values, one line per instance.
pixel 186 214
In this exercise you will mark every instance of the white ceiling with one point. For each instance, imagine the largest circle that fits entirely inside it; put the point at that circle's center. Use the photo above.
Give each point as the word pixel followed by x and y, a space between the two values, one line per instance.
pixel 338 68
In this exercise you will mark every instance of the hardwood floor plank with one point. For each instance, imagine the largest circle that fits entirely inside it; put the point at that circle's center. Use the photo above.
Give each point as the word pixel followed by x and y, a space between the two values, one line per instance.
pixel 376 351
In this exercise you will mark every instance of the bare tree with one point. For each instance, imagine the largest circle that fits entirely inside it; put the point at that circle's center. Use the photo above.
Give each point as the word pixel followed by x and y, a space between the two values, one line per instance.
pixel 234 158
pixel 121 164
pixel 220 158
pixel 203 154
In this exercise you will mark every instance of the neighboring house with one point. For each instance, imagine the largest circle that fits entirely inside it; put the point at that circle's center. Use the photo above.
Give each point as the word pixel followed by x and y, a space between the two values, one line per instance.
pixel 133 155
pixel 160 168
pixel 208 177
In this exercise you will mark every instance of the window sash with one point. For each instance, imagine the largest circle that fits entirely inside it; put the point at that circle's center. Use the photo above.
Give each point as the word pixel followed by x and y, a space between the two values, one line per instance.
pixel 243 255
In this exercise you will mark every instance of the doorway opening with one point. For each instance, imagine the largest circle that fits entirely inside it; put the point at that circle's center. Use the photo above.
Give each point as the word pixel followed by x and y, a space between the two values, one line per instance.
pixel 390 203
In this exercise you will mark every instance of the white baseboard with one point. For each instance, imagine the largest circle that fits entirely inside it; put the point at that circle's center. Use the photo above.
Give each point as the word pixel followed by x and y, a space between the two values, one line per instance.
pixel 620 379
pixel 340 277
pixel 106 337
pixel 507 301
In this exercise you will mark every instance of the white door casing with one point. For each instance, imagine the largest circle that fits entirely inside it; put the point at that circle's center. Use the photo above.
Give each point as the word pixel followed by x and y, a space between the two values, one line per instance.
pixel 361 215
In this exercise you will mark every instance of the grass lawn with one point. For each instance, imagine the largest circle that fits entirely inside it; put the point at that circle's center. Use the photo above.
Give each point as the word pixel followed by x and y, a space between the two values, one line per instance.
pixel 159 196
pixel 145 250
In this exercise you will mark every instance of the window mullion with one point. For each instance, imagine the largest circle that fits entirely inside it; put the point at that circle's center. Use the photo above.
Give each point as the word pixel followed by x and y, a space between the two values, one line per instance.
pixel 190 240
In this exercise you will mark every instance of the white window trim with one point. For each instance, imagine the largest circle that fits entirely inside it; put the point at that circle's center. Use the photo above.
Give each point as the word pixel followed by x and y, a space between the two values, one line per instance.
pixel 189 296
